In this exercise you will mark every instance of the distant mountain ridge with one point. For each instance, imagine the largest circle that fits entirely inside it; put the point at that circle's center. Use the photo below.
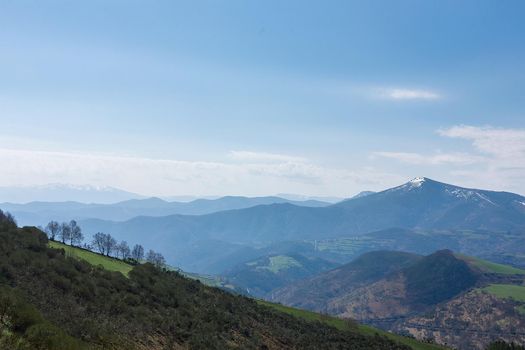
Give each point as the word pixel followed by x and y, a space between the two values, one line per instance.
pixel 421 203
pixel 39 213
pixel 65 192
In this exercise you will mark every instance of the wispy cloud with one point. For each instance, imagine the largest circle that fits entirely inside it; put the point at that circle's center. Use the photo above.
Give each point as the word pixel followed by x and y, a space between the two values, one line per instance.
pixel 496 160
pixel 433 159
pixel 401 94
pixel 249 156
pixel 499 142
pixel 242 172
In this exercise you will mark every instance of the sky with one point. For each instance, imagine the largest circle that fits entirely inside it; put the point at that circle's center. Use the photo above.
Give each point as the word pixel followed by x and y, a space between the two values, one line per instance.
pixel 320 98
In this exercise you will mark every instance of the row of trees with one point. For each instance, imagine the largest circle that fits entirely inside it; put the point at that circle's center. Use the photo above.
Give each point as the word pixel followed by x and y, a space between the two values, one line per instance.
pixel 103 243
pixel 65 232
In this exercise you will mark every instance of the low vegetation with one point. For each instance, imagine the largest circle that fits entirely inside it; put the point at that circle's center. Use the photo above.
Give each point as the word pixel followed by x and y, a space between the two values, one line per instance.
pixel 349 325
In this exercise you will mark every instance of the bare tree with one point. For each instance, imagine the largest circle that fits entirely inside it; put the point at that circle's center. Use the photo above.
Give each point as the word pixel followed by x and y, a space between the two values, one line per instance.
pixel 104 243
pixel 137 253
pixel 123 249
pixel 65 232
pixel 109 244
pixel 156 259
pixel 98 242
pixel 76 236
pixel 52 229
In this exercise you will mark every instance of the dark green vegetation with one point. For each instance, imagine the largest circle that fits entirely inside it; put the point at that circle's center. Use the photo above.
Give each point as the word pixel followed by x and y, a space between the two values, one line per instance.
pixel 52 301
pixel 315 293
pixel 501 345
pixel 403 282
pixel 349 325
pixel 436 278
pixel 261 276
pixel 445 216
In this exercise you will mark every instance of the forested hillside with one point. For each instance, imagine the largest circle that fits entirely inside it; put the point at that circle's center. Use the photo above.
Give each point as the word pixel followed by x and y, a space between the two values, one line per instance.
pixel 50 301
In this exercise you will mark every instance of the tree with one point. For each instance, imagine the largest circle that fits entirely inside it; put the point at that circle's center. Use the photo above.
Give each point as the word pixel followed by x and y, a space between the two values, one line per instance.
pixel 104 243
pixel 52 229
pixel 7 221
pixel 124 251
pixel 76 236
pixel 98 242
pixel 109 244
pixel 65 232
pixel 156 259
pixel 137 253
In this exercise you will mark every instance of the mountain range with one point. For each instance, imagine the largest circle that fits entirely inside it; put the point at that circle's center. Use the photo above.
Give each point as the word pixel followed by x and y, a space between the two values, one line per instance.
pixel 421 204
pixel 40 213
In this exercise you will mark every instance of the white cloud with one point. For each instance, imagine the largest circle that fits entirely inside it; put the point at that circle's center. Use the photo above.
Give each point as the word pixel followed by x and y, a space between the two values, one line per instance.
pixel 435 159
pixel 247 173
pixel 408 94
pixel 249 156
pixel 496 161
pixel 499 142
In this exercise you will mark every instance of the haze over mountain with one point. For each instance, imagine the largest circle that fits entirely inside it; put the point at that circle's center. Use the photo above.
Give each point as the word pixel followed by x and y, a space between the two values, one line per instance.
pixel 65 192
pixel 39 213
pixel 421 203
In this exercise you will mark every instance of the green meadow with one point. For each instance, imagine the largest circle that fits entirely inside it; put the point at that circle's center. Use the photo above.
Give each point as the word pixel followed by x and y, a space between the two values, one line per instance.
pixel 106 262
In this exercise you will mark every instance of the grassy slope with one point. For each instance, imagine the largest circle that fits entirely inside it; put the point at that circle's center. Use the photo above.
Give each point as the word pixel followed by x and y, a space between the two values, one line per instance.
pixel 120 266
pixel 491 267
pixel 281 262
pixel 108 263
pixel 507 291
pixel 344 325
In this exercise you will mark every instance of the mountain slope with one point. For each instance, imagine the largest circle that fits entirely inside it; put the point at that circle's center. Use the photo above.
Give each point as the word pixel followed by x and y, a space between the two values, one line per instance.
pixel 315 293
pixel 453 299
pixel 426 203
pixel 54 302
pixel 414 288
pixel 421 203
pixel 259 277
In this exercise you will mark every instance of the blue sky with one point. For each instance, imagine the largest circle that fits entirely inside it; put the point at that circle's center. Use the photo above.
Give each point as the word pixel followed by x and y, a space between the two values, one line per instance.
pixel 262 97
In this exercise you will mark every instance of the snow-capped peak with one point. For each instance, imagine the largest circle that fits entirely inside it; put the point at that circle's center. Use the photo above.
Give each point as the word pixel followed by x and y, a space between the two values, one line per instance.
pixel 417 182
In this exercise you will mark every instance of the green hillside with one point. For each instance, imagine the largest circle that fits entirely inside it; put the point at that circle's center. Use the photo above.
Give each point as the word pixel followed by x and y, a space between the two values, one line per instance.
pixel 507 291
pixel 117 265
pixel 108 263
pixel 491 267
pixel 261 276
pixel 346 325
pixel 112 264
pixel 53 300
